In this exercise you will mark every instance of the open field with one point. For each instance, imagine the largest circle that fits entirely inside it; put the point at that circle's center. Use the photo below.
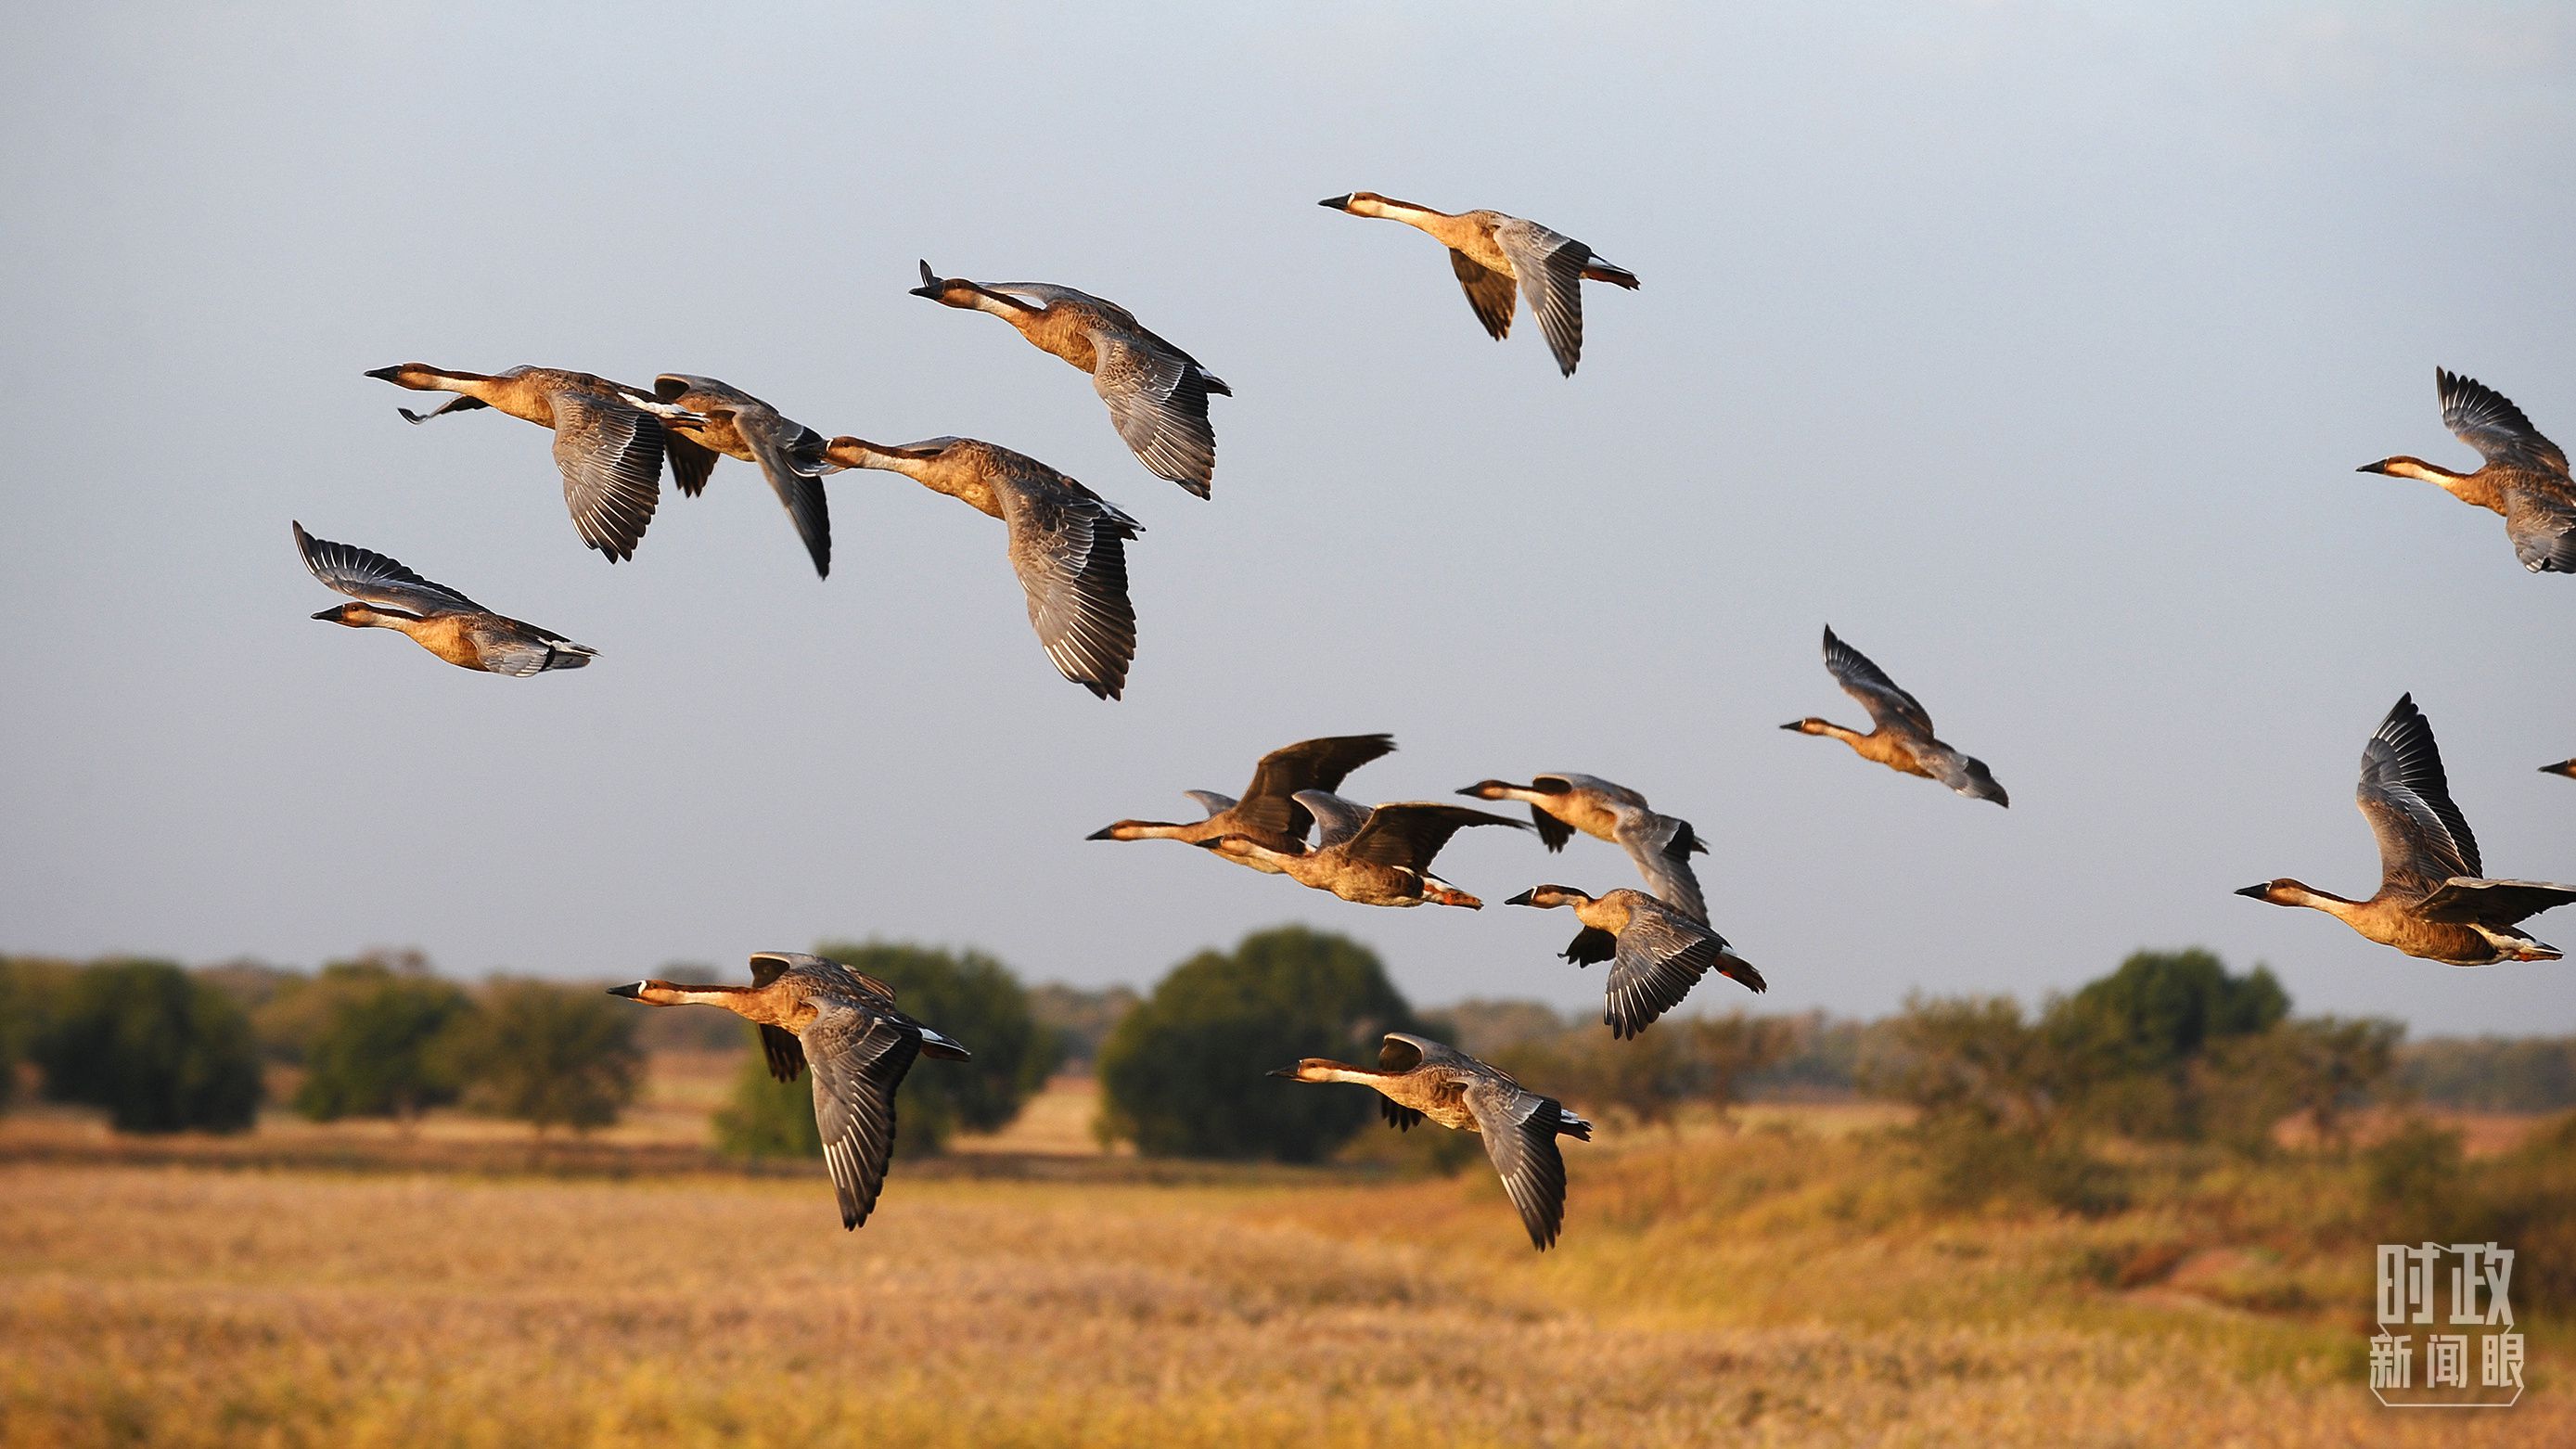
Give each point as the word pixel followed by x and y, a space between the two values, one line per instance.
pixel 1775 1285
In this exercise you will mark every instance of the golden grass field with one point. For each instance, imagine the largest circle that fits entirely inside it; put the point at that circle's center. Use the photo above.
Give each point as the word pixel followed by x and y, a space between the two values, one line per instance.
pixel 1775 1284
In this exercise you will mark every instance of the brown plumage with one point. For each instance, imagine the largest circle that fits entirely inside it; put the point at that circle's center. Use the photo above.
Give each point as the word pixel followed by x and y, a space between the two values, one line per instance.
pixel 2433 899
pixel 737 425
pixel 2523 476
pixel 608 438
pixel 1497 257
pixel 1660 845
pixel 1268 814
pixel 844 1025
pixel 1067 544
pixel 439 619
pixel 1157 394
pixel 1901 737
pixel 1377 856
pixel 1657 951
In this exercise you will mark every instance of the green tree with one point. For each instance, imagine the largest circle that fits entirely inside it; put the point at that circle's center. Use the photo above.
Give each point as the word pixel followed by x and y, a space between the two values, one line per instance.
pixel 2135 1035
pixel 160 1051
pixel 548 1055
pixel 380 1049
pixel 1182 1076
pixel 2321 1067
pixel 765 1117
pixel 976 1001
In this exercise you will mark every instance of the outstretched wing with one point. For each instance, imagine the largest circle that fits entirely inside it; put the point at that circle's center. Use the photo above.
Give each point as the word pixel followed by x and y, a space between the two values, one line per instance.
pixel 2487 420
pixel 1158 398
pixel 1519 1127
pixel 1550 269
pixel 2492 902
pixel 1661 846
pixel 790 457
pixel 1657 964
pixel 1317 764
pixel 2423 838
pixel 610 454
pixel 1489 292
pixel 858 1060
pixel 1870 685
pixel 1069 550
pixel 1336 820
pixel 1409 835
pixel 363 573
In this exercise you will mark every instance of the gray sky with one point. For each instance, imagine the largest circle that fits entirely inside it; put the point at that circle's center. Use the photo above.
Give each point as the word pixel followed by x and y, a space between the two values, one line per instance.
pixel 2032 346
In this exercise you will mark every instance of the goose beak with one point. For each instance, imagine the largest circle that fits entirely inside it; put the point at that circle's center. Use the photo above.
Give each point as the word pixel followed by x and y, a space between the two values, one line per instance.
pixel 1105 832
pixel 2257 892
pixel 2372 468
pixel 383 374
pixel 632 990
pixel 1523 898
pixel 1793 725
pixel 330 615
pixel 1337 203
pixel 1281 1072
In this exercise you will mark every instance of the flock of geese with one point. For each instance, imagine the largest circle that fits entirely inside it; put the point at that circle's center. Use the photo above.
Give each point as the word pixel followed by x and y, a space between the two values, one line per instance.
pixel 1066 544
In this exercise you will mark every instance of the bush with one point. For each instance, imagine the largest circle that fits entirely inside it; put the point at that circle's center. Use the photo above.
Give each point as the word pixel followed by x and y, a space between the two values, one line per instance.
pixel 380 1050
pixel 976 1001
pixel 2130 1041
pixel 161 1052
pixel 766 1117
pixel 1182 1074
pixel 551 1056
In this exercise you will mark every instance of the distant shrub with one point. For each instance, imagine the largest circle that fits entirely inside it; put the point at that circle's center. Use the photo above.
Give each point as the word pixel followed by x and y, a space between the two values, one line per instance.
pixel 160 1051
pixel 2492 1074
pixel 1973 1163
pixel 1182 1076
pixel 975 1000
pixel 380 1048
pixel 548 1055
pixel 765 1117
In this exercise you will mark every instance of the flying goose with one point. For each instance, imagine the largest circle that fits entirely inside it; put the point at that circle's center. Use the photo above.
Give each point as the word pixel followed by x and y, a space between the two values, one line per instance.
pixel 439 619
pixel 1373 856
pixel 1157 394
pixel 2433 899
pixel 1902 738
pixel 608 438
pixel 738 425
pixel 1497 256
pixel 843 1024
pixel 1421 1078
pixel 1067 544
pixel 1656 952
pixel 1268 814
pixel 1660 845
pixel 2524 476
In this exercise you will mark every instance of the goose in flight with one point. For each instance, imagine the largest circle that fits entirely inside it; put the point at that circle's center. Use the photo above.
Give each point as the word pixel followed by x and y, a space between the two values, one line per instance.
pixel 1660 845
pixel 2524 476
pixel 1268 814
pixel 1422 1078
pixel 1656 953
pixel 1067 544
pixel 738 425
pixel 439 619
pixel 1373 856
pixel 1157 394
pixel 1902 738
pixel 844 1025
pixel 608 438
pixel 2433 899
pixel 1498 257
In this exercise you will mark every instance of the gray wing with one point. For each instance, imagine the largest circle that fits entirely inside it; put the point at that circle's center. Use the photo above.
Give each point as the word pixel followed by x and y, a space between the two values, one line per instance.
pixel 1658 962
pixel 1519 1127
pixel 791 458
pixel 1212 802
pixel 1870 685
pixel 611 456
pixel 1489 292
pixel 363 573
pixel 1069 549
pixel 858 1060
pixel 2423 838
pixel 2487 420
pixel 1661 846
pixel 2492 902
pixel 520 650
pixel 1158 399
pixel 1550 269
pixel 2541 522
pixel 1336 819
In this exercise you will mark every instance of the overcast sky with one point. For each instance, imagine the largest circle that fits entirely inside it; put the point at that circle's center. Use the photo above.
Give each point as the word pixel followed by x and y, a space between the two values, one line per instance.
pixel 2034 347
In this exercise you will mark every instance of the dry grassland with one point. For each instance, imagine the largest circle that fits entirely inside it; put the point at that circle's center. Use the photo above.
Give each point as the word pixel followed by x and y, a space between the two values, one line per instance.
pixel 1772 1286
